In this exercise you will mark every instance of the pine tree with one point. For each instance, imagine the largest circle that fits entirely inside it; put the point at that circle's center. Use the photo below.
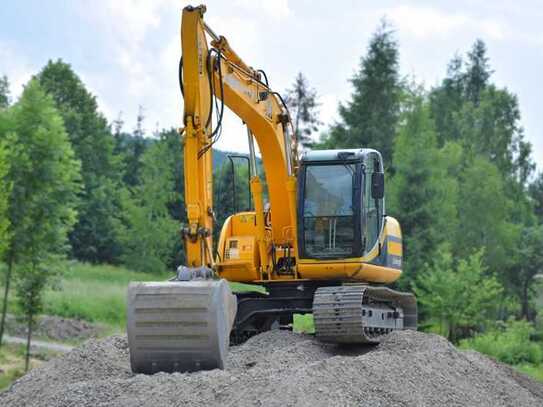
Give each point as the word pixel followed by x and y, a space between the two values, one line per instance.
pixel 132 153
pixel 478 72
pixel 468 108
pixel 46 180
pixel 93 238
pixel 370 118
pixel 302 102
pixel 446 101
pixel 118 124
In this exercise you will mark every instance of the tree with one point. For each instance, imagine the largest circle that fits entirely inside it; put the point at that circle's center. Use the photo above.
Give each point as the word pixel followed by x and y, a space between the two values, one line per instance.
pixel 491 129
pixel 176 205
pixel 46 180
pixel 446 101
pixel 302 103
pixel 147 231
pixel 4 92
pixel 458 296
pixel 226 199
pixel 93 238
pixel 478 72
pixel 529 259
pixel 131 148
pixel 5 190
pixel 421 194
pixel 484 215
pixel 468 108
pixel 370 118
pixel 7 145
pixel 536 195
pixel 32 280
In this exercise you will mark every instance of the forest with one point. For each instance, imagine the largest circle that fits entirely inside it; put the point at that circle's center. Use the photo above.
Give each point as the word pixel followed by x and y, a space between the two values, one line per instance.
pixel 460 178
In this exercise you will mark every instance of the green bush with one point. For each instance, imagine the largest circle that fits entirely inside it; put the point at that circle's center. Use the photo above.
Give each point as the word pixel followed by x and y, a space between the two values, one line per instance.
pixel 511 345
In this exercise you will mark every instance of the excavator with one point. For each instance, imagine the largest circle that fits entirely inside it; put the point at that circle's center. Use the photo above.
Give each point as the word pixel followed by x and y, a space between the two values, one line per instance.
pixel 322 244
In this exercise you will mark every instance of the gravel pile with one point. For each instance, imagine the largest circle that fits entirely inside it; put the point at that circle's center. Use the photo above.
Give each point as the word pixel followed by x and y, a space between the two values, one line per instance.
pixel 281 368
pixel 54 328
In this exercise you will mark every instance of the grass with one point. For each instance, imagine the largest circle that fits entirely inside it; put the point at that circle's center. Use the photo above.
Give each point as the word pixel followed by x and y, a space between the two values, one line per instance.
pixel 535 371
pixel 303 323
pixel 98 293
pixel 94 293
pixel 511 343
pixel 12 364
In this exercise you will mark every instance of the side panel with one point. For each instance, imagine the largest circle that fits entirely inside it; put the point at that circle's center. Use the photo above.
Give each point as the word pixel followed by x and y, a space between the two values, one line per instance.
pixel 381 265
pixel 239 258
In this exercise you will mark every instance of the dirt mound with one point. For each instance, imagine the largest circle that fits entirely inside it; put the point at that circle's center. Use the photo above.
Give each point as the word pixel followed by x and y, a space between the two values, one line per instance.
pixel 55 328
pixel 284 369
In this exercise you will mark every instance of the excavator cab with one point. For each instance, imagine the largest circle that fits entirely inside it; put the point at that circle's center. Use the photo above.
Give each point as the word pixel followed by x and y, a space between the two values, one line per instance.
pixel 341 205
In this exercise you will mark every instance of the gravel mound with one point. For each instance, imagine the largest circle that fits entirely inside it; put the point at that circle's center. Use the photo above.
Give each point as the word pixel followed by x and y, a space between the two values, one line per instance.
pixel 281 368
pixel 54 328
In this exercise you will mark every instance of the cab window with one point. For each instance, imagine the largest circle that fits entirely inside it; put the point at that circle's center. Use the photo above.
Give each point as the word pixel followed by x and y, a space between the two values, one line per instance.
pixel 372 209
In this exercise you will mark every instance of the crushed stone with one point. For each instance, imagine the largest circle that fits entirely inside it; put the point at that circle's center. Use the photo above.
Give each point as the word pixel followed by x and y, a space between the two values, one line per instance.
pixel 280 368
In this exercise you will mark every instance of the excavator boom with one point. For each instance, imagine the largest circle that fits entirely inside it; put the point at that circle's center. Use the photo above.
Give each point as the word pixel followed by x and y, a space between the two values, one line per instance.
pixel 184 325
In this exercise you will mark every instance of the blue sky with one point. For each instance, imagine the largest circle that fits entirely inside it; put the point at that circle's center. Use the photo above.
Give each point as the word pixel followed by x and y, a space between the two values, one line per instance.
pixel 126 51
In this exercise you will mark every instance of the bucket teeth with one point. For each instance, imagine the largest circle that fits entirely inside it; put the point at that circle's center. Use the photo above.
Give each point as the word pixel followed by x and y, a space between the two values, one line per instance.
pixel 179 326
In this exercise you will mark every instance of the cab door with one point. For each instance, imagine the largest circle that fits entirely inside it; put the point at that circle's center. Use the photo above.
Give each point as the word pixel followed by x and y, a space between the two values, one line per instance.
pixel 372 207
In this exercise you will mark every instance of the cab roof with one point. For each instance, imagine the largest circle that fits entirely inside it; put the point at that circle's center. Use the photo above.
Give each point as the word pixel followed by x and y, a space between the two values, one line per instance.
pixel 335 155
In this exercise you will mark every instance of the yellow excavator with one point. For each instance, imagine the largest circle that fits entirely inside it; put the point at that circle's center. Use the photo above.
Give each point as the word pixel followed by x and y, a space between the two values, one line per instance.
pixel 322 245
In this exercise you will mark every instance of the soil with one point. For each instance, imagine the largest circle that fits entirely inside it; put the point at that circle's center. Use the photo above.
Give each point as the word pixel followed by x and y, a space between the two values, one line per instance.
pixel 280 368
pixel 55 328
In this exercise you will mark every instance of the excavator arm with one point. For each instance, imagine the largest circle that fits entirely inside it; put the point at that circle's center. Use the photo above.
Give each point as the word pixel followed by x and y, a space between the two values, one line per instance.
pixel 219 72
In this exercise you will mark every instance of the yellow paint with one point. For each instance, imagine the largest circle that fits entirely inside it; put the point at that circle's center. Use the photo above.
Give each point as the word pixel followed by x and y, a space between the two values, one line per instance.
pixel 395 248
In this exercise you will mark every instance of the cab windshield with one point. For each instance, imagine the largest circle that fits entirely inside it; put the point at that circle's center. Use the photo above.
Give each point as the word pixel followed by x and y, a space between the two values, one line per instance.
pixel 328 211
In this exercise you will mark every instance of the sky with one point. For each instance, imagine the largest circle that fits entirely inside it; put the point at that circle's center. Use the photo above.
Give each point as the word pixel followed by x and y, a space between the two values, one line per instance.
pixel 127 51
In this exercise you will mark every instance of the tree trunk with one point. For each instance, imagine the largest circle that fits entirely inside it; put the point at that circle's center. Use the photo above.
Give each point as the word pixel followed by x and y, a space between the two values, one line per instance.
pixel 525 301
pixel 28 339
pixel 5 301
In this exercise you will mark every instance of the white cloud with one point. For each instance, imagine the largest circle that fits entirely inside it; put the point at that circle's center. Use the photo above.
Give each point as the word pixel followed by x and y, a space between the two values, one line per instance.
pixel 277 9
pixel 134 17
pixel 146 77
pixel 17 68
pixel 426 22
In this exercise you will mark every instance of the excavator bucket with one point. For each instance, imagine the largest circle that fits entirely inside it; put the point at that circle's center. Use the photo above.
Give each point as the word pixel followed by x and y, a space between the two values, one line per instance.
pixel 179 326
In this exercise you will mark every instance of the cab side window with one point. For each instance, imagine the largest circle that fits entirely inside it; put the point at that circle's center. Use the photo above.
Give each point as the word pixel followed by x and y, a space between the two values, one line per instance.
pixel 372 209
